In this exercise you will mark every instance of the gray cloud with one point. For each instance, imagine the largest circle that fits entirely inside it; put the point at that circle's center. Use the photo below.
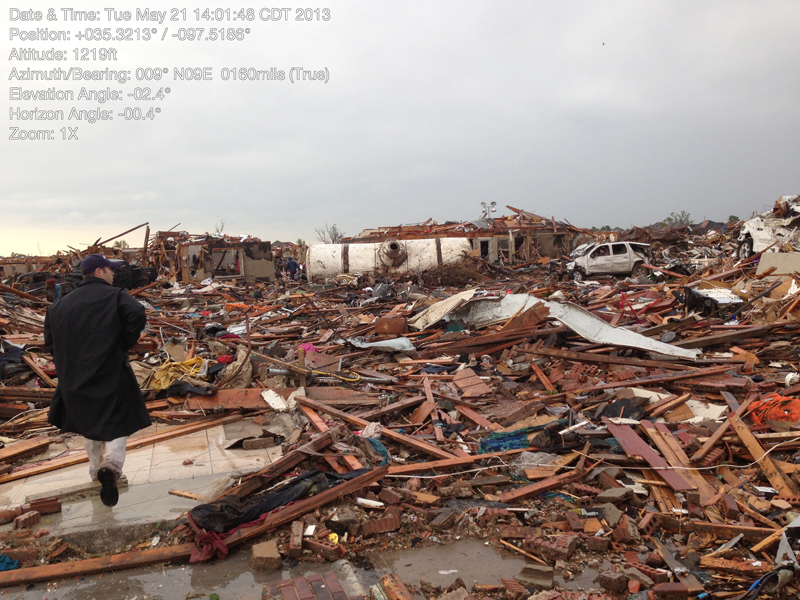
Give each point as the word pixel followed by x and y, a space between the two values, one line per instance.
pixel 601 113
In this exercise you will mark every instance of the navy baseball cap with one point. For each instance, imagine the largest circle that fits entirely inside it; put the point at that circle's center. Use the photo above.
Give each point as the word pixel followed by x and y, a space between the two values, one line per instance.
pixel 98 261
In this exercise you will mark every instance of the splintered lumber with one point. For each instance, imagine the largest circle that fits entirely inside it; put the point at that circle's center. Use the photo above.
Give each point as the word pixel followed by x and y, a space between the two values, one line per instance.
pixel 542 378
pixel 394 588
pixel 256 480
pixel 652 379
pixel 444 464
pixel 767 542
pixel 406 440
pixel 604 358
pixel 657 409
pixel 5 288
pixel 322 427
pixel 540 487
pixel 476 418
pixel 24 448
pixel 721 430
pixel 776 477
pixel 38 370
pixel 722 338
pixel 636 448
pixel 423 412
pixel 247 398
pixel 674 454
pixel 26 394
pixel 146 440
pixel 128 560
pixel 471 384
pixel 370 415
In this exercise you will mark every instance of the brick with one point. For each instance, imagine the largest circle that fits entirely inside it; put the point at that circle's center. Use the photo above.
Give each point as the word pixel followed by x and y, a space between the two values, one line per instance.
pixel 295 546
pixel 517 533
pixel 626 532
pixel 607 482
pixel 423 513
pixel 304 591
pixel 729 508
pixel 613 582
pixel 597 544
pixel 656 575
pixel 287 591
pixel 27 520
pixel 317 583
pixel 376 526
pixel 258 443
pixel 575 523
pixel 514 591
pixel 23 555
pixel 265 556
pixel 654 559
pixel 675 590
pixel 389 496
pixel 539 577
pixel 648 524
pixel 581 489
pixel 614 495
pixel 44 506
pixel 560 548
pixel 324 549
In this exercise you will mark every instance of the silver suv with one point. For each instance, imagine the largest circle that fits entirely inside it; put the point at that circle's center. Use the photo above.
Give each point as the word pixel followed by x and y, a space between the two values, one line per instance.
pixel 614 258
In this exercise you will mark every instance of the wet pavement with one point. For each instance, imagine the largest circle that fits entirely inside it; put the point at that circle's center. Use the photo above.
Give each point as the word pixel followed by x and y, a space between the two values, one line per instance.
pixel 475 561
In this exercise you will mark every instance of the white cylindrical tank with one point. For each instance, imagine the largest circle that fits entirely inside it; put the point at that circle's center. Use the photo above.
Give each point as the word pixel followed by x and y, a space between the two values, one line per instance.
pixel 391 257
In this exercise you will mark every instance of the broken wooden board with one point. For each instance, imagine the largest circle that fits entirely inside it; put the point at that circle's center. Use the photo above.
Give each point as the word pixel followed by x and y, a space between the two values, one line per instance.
pixel 322 427
pixel 376 413
pixel 406 440
pixel 246 399
pixel 715 437
pixel 542 486
pixel 776 477
pixel 551 469
pixel 635 447
pixel 24 448
pixel 471 384
pixel 435 465
pixel 423 411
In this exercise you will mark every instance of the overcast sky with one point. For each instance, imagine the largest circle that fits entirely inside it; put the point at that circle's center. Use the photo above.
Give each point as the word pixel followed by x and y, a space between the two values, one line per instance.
pixel 600 113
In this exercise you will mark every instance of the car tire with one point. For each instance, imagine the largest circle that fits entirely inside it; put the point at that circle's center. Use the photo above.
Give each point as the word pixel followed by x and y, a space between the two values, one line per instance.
pixel 745 250
pixel 638 271
pixel 577 275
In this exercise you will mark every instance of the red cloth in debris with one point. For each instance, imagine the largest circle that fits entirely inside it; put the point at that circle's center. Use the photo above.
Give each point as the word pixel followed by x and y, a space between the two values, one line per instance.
pixel 775 407
pixel 225 359
pixel 210 543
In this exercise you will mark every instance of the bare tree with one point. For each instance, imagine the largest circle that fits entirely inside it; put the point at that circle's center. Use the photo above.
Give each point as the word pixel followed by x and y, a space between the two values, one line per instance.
pixel 218 227
pixel 329 234
pixel 120 244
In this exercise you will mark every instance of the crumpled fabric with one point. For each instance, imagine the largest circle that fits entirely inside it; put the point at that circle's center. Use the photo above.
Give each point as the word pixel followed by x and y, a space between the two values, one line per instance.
pixel 512 440
pixel 372 430
pixel 774 407
pixel 242 380
pixel 7 564
pixel 170 372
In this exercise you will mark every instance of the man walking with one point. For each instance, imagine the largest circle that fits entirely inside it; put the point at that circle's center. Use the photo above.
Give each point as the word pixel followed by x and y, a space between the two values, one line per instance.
pixel 89 333
pixel 292 267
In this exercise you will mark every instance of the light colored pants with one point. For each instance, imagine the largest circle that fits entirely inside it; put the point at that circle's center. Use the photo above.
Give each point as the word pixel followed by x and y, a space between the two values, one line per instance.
pixel 106 454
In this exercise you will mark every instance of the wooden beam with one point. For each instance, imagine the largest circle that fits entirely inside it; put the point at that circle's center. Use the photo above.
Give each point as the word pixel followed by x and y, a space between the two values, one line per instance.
pixel 541 486
pixel 256 480
pixel 376 413
pixel 445 464
pixel 406 440
pixel 38 370
pixel 24 447
pixel 776 477
pixel 717 435
pixel 605 359
pixel 322 427
pixel 637 448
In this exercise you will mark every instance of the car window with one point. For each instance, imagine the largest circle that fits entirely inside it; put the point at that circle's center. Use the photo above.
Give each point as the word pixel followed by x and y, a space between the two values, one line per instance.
pixel 620 249
pixel 601 251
